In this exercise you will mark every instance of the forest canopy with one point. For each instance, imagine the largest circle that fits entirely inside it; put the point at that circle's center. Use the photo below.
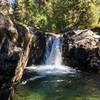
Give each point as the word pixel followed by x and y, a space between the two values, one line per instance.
pixel 54 15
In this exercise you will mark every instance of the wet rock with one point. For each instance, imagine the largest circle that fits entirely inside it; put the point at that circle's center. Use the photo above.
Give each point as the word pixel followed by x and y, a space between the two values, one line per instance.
pixel 37 50
pixel 82 50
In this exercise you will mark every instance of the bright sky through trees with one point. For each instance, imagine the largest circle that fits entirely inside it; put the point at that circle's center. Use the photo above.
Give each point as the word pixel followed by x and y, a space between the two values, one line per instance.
pixel 11 1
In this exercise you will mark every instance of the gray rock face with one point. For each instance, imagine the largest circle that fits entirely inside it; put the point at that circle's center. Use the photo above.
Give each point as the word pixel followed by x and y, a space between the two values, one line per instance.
pixel 81 49
pixel 14 53
pixel 37 49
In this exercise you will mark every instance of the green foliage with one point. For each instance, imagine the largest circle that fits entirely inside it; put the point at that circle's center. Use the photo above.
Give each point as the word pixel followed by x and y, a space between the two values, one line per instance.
pixel 4 7
pixel 56 15
pixel 75 13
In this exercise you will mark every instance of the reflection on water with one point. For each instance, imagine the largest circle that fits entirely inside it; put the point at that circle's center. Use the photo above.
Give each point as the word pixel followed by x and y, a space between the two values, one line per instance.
pixel 68 87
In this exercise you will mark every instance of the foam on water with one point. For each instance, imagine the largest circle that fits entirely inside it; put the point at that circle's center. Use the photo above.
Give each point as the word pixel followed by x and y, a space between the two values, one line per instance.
pixel 51 70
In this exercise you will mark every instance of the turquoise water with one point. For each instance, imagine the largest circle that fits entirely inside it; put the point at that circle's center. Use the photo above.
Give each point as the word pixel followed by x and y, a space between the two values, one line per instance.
pixel 83 86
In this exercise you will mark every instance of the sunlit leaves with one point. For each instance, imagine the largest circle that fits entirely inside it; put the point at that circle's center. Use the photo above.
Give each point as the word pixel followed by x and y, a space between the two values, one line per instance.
pixel 56 15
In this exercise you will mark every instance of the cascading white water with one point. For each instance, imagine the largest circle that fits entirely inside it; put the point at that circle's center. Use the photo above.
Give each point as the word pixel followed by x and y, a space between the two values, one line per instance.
pixel 52 64
pixel 53 55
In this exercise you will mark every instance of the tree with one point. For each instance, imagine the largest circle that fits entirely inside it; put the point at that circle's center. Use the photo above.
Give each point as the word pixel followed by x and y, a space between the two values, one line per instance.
pixel 56 15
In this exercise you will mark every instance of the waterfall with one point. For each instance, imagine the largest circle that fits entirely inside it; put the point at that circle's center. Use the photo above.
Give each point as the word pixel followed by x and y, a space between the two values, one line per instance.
pixel 53 55
pixel 52 61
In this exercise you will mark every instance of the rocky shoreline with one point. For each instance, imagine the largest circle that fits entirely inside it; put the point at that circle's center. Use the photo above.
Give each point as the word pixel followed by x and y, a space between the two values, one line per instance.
pixel 22 46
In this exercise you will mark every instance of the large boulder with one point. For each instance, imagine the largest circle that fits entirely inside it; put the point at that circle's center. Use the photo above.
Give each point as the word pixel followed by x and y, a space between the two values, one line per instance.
pixel 37 49
pixel 81 49
pixel 15 42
